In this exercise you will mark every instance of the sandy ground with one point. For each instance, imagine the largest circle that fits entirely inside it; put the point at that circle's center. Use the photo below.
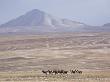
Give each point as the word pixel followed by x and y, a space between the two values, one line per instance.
pixel 83 51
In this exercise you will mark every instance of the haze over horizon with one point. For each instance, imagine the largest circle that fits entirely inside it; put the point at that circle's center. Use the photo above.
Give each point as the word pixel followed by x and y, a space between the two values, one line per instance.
pixel 91 12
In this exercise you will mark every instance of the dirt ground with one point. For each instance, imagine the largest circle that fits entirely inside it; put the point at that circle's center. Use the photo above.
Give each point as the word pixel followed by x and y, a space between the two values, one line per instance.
pixel 89 52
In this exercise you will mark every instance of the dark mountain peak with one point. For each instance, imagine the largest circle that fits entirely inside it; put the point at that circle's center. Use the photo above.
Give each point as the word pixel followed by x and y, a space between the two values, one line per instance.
pixel 35 12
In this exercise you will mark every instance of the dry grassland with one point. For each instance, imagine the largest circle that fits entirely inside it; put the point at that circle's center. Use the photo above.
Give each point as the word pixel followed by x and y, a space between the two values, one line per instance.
pixel 23 57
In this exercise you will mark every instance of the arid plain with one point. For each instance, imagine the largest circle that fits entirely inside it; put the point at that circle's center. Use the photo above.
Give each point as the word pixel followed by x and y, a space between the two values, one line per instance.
pixel 30 54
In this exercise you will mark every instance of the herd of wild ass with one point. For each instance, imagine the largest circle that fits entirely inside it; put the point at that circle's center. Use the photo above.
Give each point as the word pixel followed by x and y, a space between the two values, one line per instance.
pixel 61 72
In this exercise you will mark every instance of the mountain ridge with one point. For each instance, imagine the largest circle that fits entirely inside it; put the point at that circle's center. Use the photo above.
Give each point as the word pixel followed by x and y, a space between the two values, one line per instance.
pixel 39 21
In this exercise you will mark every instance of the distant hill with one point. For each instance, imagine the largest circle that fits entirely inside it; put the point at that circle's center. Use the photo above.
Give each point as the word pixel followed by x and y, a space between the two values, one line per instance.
pixel 37 21
pixel 107 25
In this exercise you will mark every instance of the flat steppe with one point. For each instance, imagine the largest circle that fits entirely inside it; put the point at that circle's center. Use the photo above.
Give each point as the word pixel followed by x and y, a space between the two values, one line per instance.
pixel 88 52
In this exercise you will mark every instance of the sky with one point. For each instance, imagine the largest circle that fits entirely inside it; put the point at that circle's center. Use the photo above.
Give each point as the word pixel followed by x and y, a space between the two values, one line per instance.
pixel 91 12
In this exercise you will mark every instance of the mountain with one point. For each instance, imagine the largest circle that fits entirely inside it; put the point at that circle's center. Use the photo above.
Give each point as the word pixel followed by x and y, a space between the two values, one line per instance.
pixel 37 21
pixel 107 25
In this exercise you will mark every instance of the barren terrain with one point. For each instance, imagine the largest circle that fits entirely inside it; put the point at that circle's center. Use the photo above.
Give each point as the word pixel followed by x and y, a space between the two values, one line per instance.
pixel 89 52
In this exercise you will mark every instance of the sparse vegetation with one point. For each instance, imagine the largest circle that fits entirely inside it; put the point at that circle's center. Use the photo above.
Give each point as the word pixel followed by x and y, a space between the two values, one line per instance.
pixel 36 76
pixel 88 52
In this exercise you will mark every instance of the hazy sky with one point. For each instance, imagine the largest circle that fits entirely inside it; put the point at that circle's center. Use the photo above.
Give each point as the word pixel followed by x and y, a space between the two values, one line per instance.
pixel 92 12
